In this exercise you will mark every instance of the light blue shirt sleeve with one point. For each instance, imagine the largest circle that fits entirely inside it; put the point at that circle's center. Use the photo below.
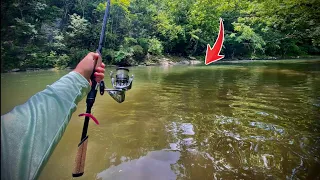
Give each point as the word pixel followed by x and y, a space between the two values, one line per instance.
pixel 31 131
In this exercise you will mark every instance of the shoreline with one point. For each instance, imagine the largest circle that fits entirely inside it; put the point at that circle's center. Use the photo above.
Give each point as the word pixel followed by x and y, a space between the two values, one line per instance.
pixel 175 61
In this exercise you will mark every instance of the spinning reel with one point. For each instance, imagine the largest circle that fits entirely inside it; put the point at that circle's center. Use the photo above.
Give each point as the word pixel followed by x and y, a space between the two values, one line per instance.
pixel 121 83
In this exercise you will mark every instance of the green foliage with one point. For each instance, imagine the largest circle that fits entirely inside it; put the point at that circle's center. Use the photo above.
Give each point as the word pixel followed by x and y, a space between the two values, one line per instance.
pixel 58 42
pixel 38 60
pixel 144 43
pixel 101 7
pixel 108 55
pixel 123 54
pixel 245 34
pixel 129 41
pixel 52 58
pixel 9 58
pixel 24 28
pixel 76 55
pixel 78 25
pixel 166 26
pixel 155 46
pixel 62 61
pixel 138 53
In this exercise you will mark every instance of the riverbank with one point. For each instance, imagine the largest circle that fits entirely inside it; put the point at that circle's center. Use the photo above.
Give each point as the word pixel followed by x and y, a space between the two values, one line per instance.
pixel 148 61
pixel 169 60
pixel 200 60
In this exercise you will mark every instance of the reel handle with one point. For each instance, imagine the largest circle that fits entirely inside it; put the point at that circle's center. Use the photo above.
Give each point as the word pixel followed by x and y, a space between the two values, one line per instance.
pixel 102 87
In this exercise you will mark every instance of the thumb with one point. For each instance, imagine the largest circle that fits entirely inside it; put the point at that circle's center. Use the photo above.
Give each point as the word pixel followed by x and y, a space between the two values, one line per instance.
pixel 95 56
pixel 97 59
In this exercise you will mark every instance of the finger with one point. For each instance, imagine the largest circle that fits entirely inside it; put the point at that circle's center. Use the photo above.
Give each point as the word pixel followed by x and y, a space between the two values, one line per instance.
pixel 96 57
pixel 98 79
pixel 100 69
pixel 103 65
pixel 99 75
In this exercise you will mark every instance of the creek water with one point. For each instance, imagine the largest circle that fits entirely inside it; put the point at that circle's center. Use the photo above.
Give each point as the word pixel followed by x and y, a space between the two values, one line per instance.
pixel 240 120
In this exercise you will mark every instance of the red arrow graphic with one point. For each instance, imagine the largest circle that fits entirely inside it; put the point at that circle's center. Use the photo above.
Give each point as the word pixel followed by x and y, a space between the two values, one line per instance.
pixel 212 54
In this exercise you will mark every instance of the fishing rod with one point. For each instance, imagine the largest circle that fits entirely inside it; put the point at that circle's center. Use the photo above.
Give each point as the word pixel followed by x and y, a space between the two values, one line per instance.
pixel 121 83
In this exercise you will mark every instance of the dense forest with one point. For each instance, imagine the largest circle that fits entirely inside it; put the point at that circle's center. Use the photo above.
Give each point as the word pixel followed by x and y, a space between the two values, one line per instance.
pixel 58 33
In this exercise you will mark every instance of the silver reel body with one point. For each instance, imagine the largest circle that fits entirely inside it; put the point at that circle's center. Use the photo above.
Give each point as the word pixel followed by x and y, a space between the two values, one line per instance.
pixel 121 83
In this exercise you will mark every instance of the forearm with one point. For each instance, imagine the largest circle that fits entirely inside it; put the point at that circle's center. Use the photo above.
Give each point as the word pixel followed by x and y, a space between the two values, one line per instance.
pixel 30 131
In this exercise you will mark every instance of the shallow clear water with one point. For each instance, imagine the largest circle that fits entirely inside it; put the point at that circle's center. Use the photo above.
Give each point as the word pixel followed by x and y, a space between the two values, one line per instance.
pixel 258 120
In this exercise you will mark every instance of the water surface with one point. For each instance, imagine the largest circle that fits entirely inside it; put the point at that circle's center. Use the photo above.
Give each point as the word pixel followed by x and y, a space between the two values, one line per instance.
pixel 258 120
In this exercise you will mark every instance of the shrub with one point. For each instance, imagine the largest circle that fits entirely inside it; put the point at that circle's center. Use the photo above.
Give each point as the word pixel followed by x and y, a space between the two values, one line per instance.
pixel 76 55
pixel 155 46
pixel 108 55
pixel 144 43
pixel 38 60
pixel 62 61
pixel 123 54
pixel 129 41
pixel 51 58
pixel 138 53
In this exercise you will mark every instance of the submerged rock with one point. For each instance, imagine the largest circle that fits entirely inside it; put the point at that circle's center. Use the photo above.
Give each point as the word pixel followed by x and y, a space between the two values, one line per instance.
pixel 166 62
pixel 192 58
pixel 194 62
pixel 15 70
pixel 184 62
pixel 151 64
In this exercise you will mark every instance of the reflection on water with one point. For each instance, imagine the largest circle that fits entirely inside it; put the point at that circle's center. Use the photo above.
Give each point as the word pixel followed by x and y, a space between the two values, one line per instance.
pixel 226 121
pixel 184 129
pixel 155 165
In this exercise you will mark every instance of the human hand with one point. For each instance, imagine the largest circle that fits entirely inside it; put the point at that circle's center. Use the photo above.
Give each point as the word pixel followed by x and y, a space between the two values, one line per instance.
pixel 86 65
